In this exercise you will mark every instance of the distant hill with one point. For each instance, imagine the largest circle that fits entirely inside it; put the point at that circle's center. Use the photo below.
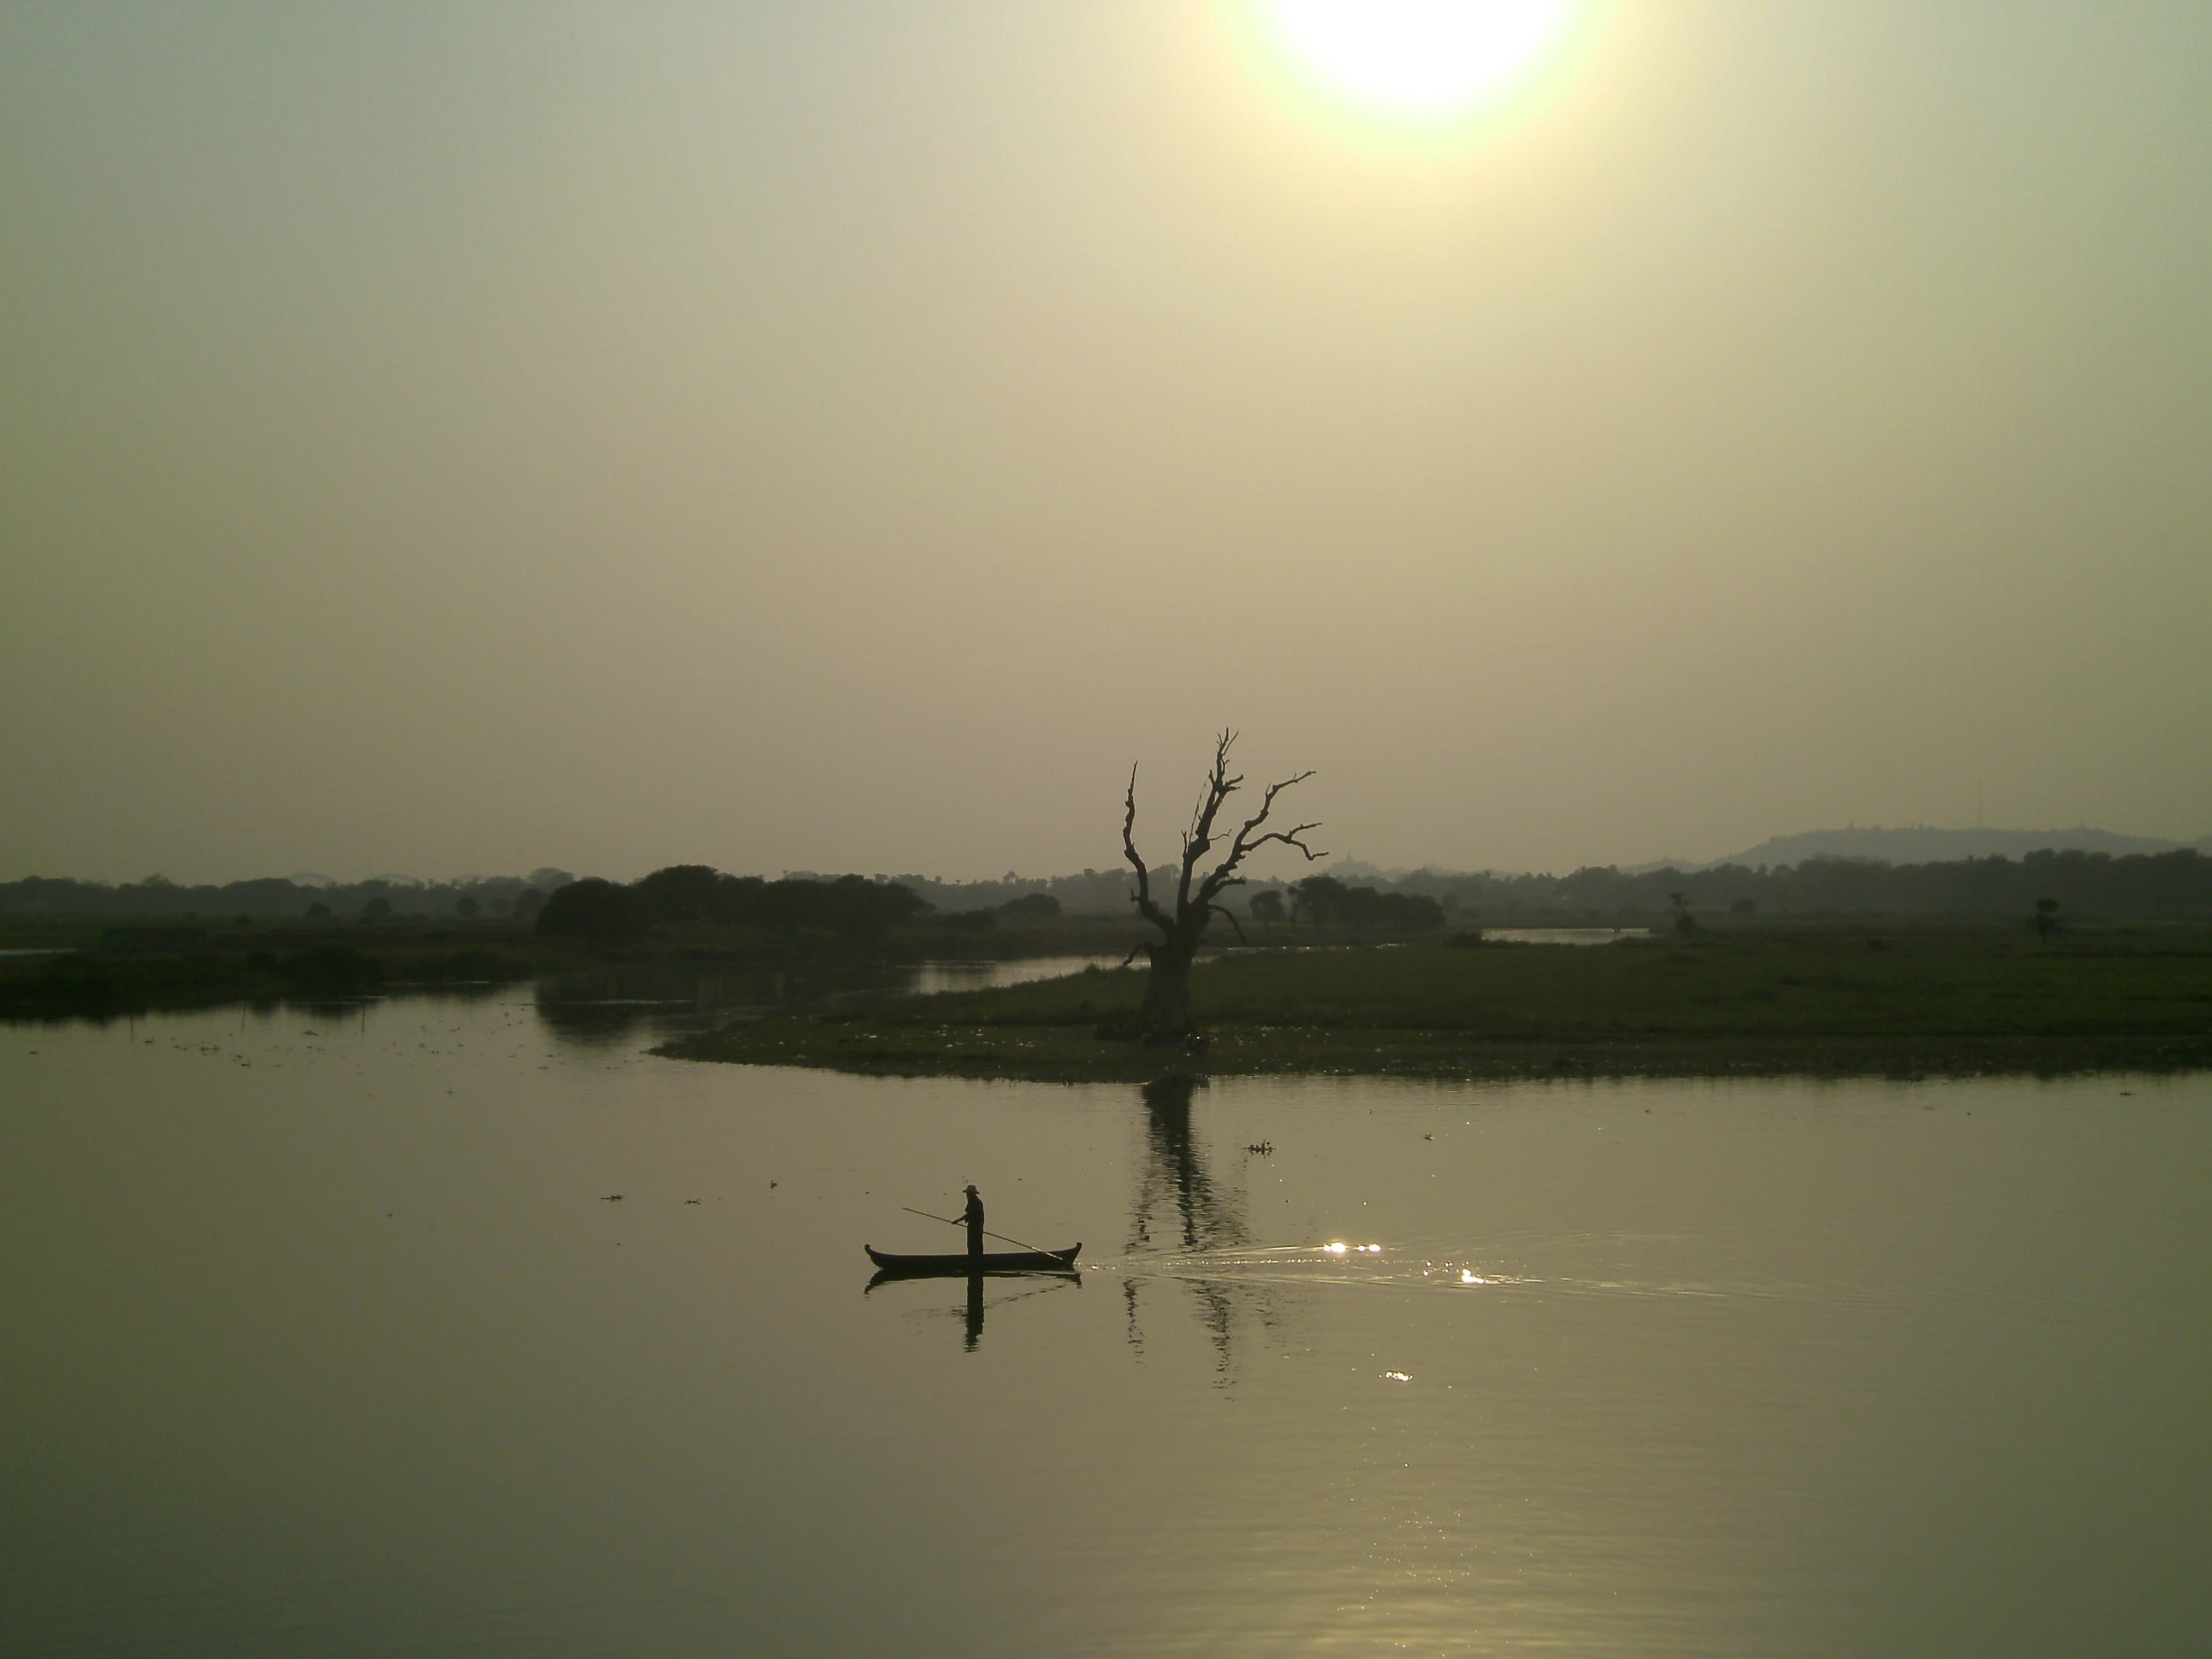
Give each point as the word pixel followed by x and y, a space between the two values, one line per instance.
pixel 1924 845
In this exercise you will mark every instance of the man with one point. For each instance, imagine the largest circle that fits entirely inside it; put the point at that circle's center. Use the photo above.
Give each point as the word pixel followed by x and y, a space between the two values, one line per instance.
pixel 973 1216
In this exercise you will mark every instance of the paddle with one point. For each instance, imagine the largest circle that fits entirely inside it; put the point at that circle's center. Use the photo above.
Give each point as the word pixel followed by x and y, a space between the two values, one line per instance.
pixel 987 1233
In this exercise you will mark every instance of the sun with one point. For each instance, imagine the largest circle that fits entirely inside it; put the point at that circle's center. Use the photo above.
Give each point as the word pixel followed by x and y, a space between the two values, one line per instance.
pixel 1420 60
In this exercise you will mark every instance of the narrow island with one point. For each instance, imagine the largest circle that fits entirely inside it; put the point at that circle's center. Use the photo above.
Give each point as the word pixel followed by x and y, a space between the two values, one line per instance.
pixel 1917 1001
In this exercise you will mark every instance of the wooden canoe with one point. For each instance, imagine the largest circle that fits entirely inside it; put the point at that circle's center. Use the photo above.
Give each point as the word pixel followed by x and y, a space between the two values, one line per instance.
pixel 1001 1260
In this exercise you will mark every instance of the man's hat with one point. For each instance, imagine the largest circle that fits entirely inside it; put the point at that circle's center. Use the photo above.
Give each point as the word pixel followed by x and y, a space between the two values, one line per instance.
pixel 969 1187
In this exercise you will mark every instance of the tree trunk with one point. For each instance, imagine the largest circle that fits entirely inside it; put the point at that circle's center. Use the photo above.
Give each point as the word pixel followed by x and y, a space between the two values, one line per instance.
pixel 1165 1014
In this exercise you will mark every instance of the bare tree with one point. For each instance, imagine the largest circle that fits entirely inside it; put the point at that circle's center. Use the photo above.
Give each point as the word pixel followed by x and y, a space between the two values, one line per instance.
pixel 1165 1014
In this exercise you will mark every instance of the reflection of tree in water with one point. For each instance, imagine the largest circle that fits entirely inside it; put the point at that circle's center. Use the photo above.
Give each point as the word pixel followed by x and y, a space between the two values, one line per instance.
pixel 1205 1218
pixel 615 1005
pixel 611 1004
pixel 592 1024
pixel 1199 1216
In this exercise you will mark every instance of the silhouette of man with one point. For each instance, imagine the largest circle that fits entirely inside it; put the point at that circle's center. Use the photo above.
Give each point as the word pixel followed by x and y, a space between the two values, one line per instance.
pixel 973 1216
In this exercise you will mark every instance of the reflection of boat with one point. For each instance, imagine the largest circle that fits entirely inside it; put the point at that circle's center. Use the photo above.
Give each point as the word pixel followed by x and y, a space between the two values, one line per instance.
pixel 1003 1261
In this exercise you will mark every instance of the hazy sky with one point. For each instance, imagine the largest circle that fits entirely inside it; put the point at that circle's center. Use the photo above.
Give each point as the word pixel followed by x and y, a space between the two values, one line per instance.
pixel 461 438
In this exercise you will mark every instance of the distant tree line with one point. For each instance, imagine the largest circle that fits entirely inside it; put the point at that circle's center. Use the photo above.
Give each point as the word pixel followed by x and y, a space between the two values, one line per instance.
pixel 1103 893
pixel 1324 901
pixel 2154 884
pixel 852 906
pixel 268 897
pixel 2174 883
pixel 2142 886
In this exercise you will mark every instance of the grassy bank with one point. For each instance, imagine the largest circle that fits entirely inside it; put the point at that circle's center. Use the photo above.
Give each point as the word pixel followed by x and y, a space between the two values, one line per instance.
pixel 1904 1001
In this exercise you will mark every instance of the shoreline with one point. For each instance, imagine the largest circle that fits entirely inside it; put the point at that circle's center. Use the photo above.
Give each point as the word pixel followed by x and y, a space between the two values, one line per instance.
pixel 1047 1054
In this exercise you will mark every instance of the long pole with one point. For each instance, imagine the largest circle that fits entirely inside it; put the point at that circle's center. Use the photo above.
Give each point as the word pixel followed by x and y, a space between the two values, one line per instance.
pixel 987 1233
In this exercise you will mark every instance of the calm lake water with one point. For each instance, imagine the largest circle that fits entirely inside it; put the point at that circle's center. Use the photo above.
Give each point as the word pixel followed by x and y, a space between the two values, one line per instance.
pixel 324 1334
pixel 1565 935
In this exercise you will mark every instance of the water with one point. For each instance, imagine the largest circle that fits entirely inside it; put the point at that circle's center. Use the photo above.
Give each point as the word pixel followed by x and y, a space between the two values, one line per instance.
pixel 927 978
pixel 1565 935
pixel 643 1004
pixel 324 1334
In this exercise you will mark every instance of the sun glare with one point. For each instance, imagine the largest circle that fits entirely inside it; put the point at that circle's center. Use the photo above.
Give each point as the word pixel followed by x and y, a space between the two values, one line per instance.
pixel 1420 58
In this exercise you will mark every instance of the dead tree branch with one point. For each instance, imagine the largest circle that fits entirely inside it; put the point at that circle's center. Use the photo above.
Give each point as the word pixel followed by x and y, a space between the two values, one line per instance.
pixel 1166 1010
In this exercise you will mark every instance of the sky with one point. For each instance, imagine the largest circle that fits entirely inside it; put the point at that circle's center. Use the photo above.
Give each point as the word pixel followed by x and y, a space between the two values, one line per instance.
pixel 462 438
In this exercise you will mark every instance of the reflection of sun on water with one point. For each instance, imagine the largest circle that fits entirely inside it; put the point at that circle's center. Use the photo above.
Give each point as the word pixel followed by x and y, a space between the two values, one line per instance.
pixel 1420 58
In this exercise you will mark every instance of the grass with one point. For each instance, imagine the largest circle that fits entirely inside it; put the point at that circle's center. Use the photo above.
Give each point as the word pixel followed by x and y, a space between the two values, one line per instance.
pixel 1903 1002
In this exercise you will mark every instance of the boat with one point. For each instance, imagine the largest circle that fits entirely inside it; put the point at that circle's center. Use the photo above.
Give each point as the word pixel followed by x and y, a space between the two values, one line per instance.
pixel 889 1266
